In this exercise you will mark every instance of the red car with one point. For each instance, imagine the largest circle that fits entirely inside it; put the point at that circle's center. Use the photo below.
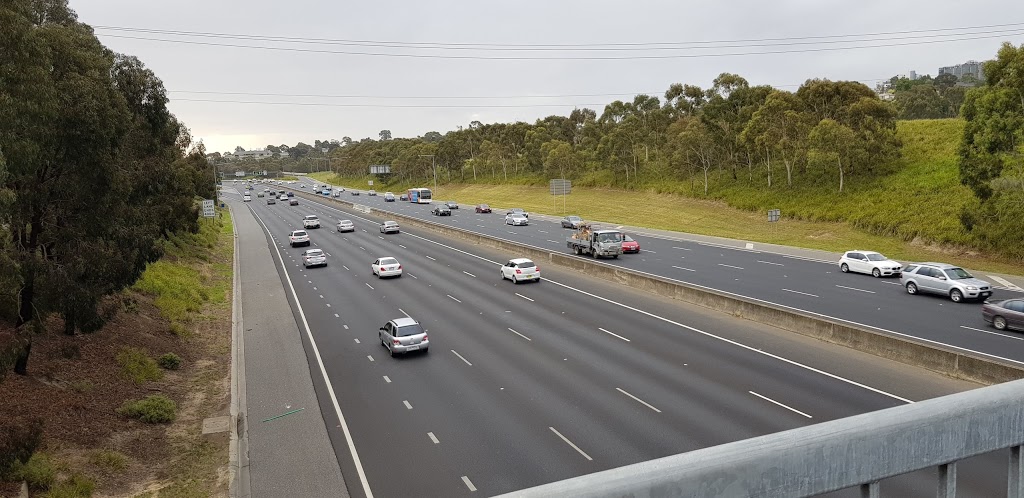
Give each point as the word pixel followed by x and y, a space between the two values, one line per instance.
pixel 630 245
pixel 483 208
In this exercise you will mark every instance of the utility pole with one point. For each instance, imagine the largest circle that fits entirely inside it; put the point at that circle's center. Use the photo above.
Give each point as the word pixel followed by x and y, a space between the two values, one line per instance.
pixel 433 169
pixel 328 158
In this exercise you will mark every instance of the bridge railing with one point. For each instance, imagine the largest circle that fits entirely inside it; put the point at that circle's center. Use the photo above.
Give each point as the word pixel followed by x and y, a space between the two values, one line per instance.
pixel 857 451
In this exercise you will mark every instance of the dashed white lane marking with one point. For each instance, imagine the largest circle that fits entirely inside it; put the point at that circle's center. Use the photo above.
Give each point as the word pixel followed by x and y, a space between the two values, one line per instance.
pixel 453 299
pixel 387 379
pixel 468 273
pixel 368 285
pixel 433 437
pixel 407 405
pixel 553 241
pixel 854 289
pixel 520 335
pixel 542 231
pixel 681 268
pixel 328 305
pixel 430 258
pixel 336 316
pixel 577 448
pixel 403 247
pixel 461 358
pixel 314 288
pixel 993 333
pixel 357 341
pixel 648 251
pixel 413 276
pixel 613 333
pixel 404 313
pixel 682 248
pixel 321 296
pixel 766 398
pixel 346 327
pixel 770 263
pixel 524 297
pixel 345 267
pixel 369 357
pixel 730 266
pixel 363 248
pixel 893 283
pixel 798 292
pixel 469 484
pixel 379 237
pixel 638 400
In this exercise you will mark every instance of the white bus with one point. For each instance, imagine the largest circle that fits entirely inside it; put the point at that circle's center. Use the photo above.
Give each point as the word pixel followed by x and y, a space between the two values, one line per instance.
pixel 419 195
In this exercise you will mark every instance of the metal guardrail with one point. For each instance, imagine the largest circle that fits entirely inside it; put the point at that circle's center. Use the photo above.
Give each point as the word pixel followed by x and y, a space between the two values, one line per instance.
pixel 857 451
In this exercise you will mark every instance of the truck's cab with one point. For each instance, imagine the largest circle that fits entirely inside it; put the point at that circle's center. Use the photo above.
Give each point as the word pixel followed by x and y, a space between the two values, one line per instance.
pixel 599 243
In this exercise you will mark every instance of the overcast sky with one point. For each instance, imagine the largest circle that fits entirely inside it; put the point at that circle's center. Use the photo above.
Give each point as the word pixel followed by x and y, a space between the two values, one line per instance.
pixel 394 80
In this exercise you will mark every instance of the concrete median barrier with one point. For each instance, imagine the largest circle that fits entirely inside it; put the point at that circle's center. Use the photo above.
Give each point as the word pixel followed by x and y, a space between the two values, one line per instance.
pixel 934 357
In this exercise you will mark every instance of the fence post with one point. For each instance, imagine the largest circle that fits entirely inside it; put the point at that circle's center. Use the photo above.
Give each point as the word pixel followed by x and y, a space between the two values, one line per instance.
pixel 1015 487
pixel 947 481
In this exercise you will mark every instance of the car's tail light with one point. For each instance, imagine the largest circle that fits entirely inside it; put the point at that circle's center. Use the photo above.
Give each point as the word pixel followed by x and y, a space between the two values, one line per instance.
pixel 399 267
pixel 424 338
pixel 518 271
pixel 396 342
pixel 537 268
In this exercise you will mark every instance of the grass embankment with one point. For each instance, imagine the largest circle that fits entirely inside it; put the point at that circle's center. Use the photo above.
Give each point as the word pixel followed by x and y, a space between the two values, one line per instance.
pixel 122 408
pixel 910 212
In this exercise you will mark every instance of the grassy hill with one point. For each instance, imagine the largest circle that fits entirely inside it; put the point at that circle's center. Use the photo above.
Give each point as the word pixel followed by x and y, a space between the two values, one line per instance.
pixel 911 212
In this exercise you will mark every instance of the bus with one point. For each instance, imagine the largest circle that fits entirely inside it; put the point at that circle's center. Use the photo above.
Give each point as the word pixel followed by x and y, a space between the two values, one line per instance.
pixel 419 195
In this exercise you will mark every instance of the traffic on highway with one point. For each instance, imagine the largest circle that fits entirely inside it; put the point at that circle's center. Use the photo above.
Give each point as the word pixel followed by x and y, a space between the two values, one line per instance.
pixel 436 356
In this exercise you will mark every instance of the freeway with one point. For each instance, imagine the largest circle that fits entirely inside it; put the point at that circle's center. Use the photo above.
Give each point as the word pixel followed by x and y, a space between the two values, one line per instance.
pixel 532 383
pixel 799 283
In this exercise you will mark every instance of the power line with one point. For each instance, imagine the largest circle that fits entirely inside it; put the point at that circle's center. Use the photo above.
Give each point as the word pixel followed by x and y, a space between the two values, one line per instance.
pixel 569 46
pixel 399 106
pixel 562 58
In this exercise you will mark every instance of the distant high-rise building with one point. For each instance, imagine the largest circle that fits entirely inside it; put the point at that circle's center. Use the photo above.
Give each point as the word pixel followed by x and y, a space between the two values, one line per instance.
pixel 972 68
pixel 913 74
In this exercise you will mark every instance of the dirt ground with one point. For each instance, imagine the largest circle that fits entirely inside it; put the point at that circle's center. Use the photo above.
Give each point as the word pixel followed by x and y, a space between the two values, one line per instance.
pixel 76 386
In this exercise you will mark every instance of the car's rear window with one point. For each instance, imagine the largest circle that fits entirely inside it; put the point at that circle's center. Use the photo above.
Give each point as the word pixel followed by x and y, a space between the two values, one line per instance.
pixel 409 330
pixel 389 261
pixel 315 252
pixel 299 233
pixel 910 268
pixel 345 222
pixel 526 264
pixel 311 217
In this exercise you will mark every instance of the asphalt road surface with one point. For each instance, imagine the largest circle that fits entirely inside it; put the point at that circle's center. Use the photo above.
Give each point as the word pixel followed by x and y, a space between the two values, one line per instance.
pixel 533 383
pixel 800 283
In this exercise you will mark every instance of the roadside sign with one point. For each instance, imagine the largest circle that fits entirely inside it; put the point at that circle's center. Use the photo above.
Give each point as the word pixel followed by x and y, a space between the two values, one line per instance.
pixel 380 169
pixel 560 186
pixel 774 215
pixel 208 210
pixel 370 182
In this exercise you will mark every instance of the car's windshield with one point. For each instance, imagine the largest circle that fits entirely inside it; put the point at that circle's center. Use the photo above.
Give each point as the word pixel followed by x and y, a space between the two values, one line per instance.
pixel 875 257
pixel 389 261
pixel 609 237
pixel 958 274
pixel 408 330
pixel 485 206
pixel 574 218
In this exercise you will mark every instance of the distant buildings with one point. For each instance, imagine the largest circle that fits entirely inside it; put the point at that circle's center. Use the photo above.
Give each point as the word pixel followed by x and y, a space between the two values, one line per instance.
pixel 239 155
pixel 969 68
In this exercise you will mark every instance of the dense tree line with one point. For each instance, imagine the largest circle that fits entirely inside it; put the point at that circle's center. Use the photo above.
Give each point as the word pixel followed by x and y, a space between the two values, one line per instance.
pixel 930 98
pixel 991 161
pixel 95 172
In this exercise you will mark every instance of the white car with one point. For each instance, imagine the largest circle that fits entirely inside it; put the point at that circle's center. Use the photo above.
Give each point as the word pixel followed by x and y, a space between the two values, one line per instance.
pixel 337 193
pixel 516 219
pixel 372 193
pixel 386 267
pixel 246 198
pixel 298 238
pixel 869 262
pixel 314 257
pixel 389 226
pixel 520 270
pixel 283 197
pixel 311 221
pixel 346 226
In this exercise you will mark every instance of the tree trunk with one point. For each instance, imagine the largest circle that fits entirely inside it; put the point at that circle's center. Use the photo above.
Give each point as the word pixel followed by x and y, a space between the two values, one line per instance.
pixel 706 166
pixel 789 171
pixel 840 161
pixel 768 162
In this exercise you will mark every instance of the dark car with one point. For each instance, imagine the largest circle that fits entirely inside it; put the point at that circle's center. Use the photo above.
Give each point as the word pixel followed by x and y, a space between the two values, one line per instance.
pixel 483 208
pixel 452 205
pixel 572 221
pixel 291 194
pixel 442 210
pixel 293 202
pixel 1006 314
pixel 403 197
pixel 355 192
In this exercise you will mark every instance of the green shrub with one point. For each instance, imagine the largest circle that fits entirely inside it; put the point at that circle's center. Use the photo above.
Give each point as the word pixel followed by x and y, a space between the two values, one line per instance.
pixel 154 409
pixel 76 486
pixel 110 460
pixel 179 329
pixel 169 361
pixel 137 366
pixel 18 441
pixel 39 472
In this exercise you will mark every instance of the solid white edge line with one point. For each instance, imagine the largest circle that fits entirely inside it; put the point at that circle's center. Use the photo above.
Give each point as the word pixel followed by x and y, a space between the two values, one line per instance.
pixel 1008 336
pixel 854 289
pixel 614 334
pixel 638 400
pixel 461 358
pixel 708 334
pixel 766 398
pixel 577 448
pixel 323 371
pixel 520 335
pixel 468 483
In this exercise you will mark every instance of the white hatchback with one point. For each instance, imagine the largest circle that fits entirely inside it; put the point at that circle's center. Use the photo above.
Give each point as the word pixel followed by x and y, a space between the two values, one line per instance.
pixel 311 221
pixel 246 198
pixel 520 270
pixel 869 262
pixel 346 226
pixel 386 267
